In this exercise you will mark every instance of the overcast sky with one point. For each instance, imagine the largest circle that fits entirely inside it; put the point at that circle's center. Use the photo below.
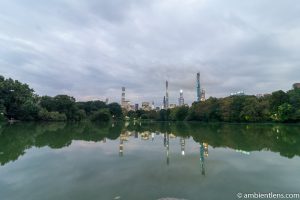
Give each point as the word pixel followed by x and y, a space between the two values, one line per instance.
pixel 90 49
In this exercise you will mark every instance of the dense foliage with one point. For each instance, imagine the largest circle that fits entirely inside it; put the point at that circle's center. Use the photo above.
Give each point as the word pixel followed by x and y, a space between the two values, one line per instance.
pixel 19 102
pixel 279 106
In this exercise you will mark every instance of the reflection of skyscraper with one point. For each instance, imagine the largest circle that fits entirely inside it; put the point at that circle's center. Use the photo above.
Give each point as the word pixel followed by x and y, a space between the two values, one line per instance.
pixel 182 144
pixel 167 145
pixel 165 139
pixel 121 147
pixel 205 145
pixel 203 153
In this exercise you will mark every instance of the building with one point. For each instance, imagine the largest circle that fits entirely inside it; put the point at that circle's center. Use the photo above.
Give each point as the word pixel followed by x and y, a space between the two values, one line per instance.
pixel 136 106
pixel 181 99
pixel 106 101
pixel 167 95
pixel 296 85
pixel 172 105
pixel 152 106
pixel 132 107
pixel 164 103
pixel 146 106
pixel 123 97
pixel 198 88
pixel 239 93
pixel 202 95
pixel 125 104
pixel 200 92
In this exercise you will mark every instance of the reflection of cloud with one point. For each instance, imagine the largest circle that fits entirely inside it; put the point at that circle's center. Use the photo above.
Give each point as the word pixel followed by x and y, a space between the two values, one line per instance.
pixel 87 49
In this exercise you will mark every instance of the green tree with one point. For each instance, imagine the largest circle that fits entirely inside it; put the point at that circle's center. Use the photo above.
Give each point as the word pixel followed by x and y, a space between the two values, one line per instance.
pixel 115 110
pixel 29 111
pixel 285 112
pixel 278 98
pixel 102 115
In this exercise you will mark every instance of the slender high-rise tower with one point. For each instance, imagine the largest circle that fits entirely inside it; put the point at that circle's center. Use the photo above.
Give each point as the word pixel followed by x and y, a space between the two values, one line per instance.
pixel 167 95
pixel 198 88
pixel 164 102
pixel 123 97
pixel 181 99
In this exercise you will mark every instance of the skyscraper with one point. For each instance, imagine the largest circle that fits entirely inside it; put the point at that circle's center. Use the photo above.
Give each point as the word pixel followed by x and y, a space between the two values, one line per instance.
pixel 181 99
pixel 198 88
pixel 202 95
pixel 164 103
pixel 167 95
pixel 125 104
pixel 123 97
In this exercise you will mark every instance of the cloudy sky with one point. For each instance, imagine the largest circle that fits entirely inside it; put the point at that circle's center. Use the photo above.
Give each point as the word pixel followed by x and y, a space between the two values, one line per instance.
pixel 90 49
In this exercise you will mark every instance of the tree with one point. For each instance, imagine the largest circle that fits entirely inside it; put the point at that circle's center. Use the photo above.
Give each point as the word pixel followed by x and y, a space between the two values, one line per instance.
pixel 164 115
pixel 115 110
pixel 102 115
pixel 285 112
pixel 47 103
pixel 278 98
pixel 13 95
pixel 29 111
pixel 66 104
pixel 91 106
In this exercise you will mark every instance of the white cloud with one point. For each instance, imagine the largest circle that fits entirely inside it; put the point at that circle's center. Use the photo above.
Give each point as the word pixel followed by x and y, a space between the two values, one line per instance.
pixel 91 49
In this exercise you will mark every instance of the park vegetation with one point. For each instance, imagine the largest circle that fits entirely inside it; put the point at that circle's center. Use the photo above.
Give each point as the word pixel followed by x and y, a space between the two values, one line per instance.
pixel 19 102
pixel 279 106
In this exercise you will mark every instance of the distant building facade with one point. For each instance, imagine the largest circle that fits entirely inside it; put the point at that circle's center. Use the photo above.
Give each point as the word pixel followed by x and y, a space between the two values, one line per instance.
pixel 167 95
pixel 146 106
pixel 172 105
pixel 198 87
pixel 181 99
pixel 202 95
pixel 239 93
pixel 296 85
pixel 125 104
pixel 136 106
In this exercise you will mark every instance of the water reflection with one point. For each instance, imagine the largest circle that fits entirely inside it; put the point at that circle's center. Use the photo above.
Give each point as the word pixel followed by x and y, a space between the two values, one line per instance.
pixel 244 138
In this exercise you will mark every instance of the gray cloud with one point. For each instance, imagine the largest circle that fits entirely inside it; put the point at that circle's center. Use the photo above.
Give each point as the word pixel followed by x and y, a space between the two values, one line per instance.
pixel 90 49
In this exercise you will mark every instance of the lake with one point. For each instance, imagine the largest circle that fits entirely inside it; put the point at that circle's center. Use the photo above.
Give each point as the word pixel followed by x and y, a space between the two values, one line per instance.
pixel 147 160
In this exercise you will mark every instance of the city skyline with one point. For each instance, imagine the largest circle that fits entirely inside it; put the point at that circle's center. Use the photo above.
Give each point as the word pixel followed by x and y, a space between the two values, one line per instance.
pixel 90 50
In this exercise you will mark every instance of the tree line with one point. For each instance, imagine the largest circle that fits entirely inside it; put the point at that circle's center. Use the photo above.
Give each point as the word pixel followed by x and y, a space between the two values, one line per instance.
pixel 278 106
pixel 18 101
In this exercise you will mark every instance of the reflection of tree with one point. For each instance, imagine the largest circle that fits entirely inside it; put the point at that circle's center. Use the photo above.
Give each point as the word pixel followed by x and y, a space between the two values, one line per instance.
pixel 284 139
pixel 15 139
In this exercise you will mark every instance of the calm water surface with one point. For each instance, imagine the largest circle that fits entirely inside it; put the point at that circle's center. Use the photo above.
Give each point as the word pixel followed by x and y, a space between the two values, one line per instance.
pixel 147 161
